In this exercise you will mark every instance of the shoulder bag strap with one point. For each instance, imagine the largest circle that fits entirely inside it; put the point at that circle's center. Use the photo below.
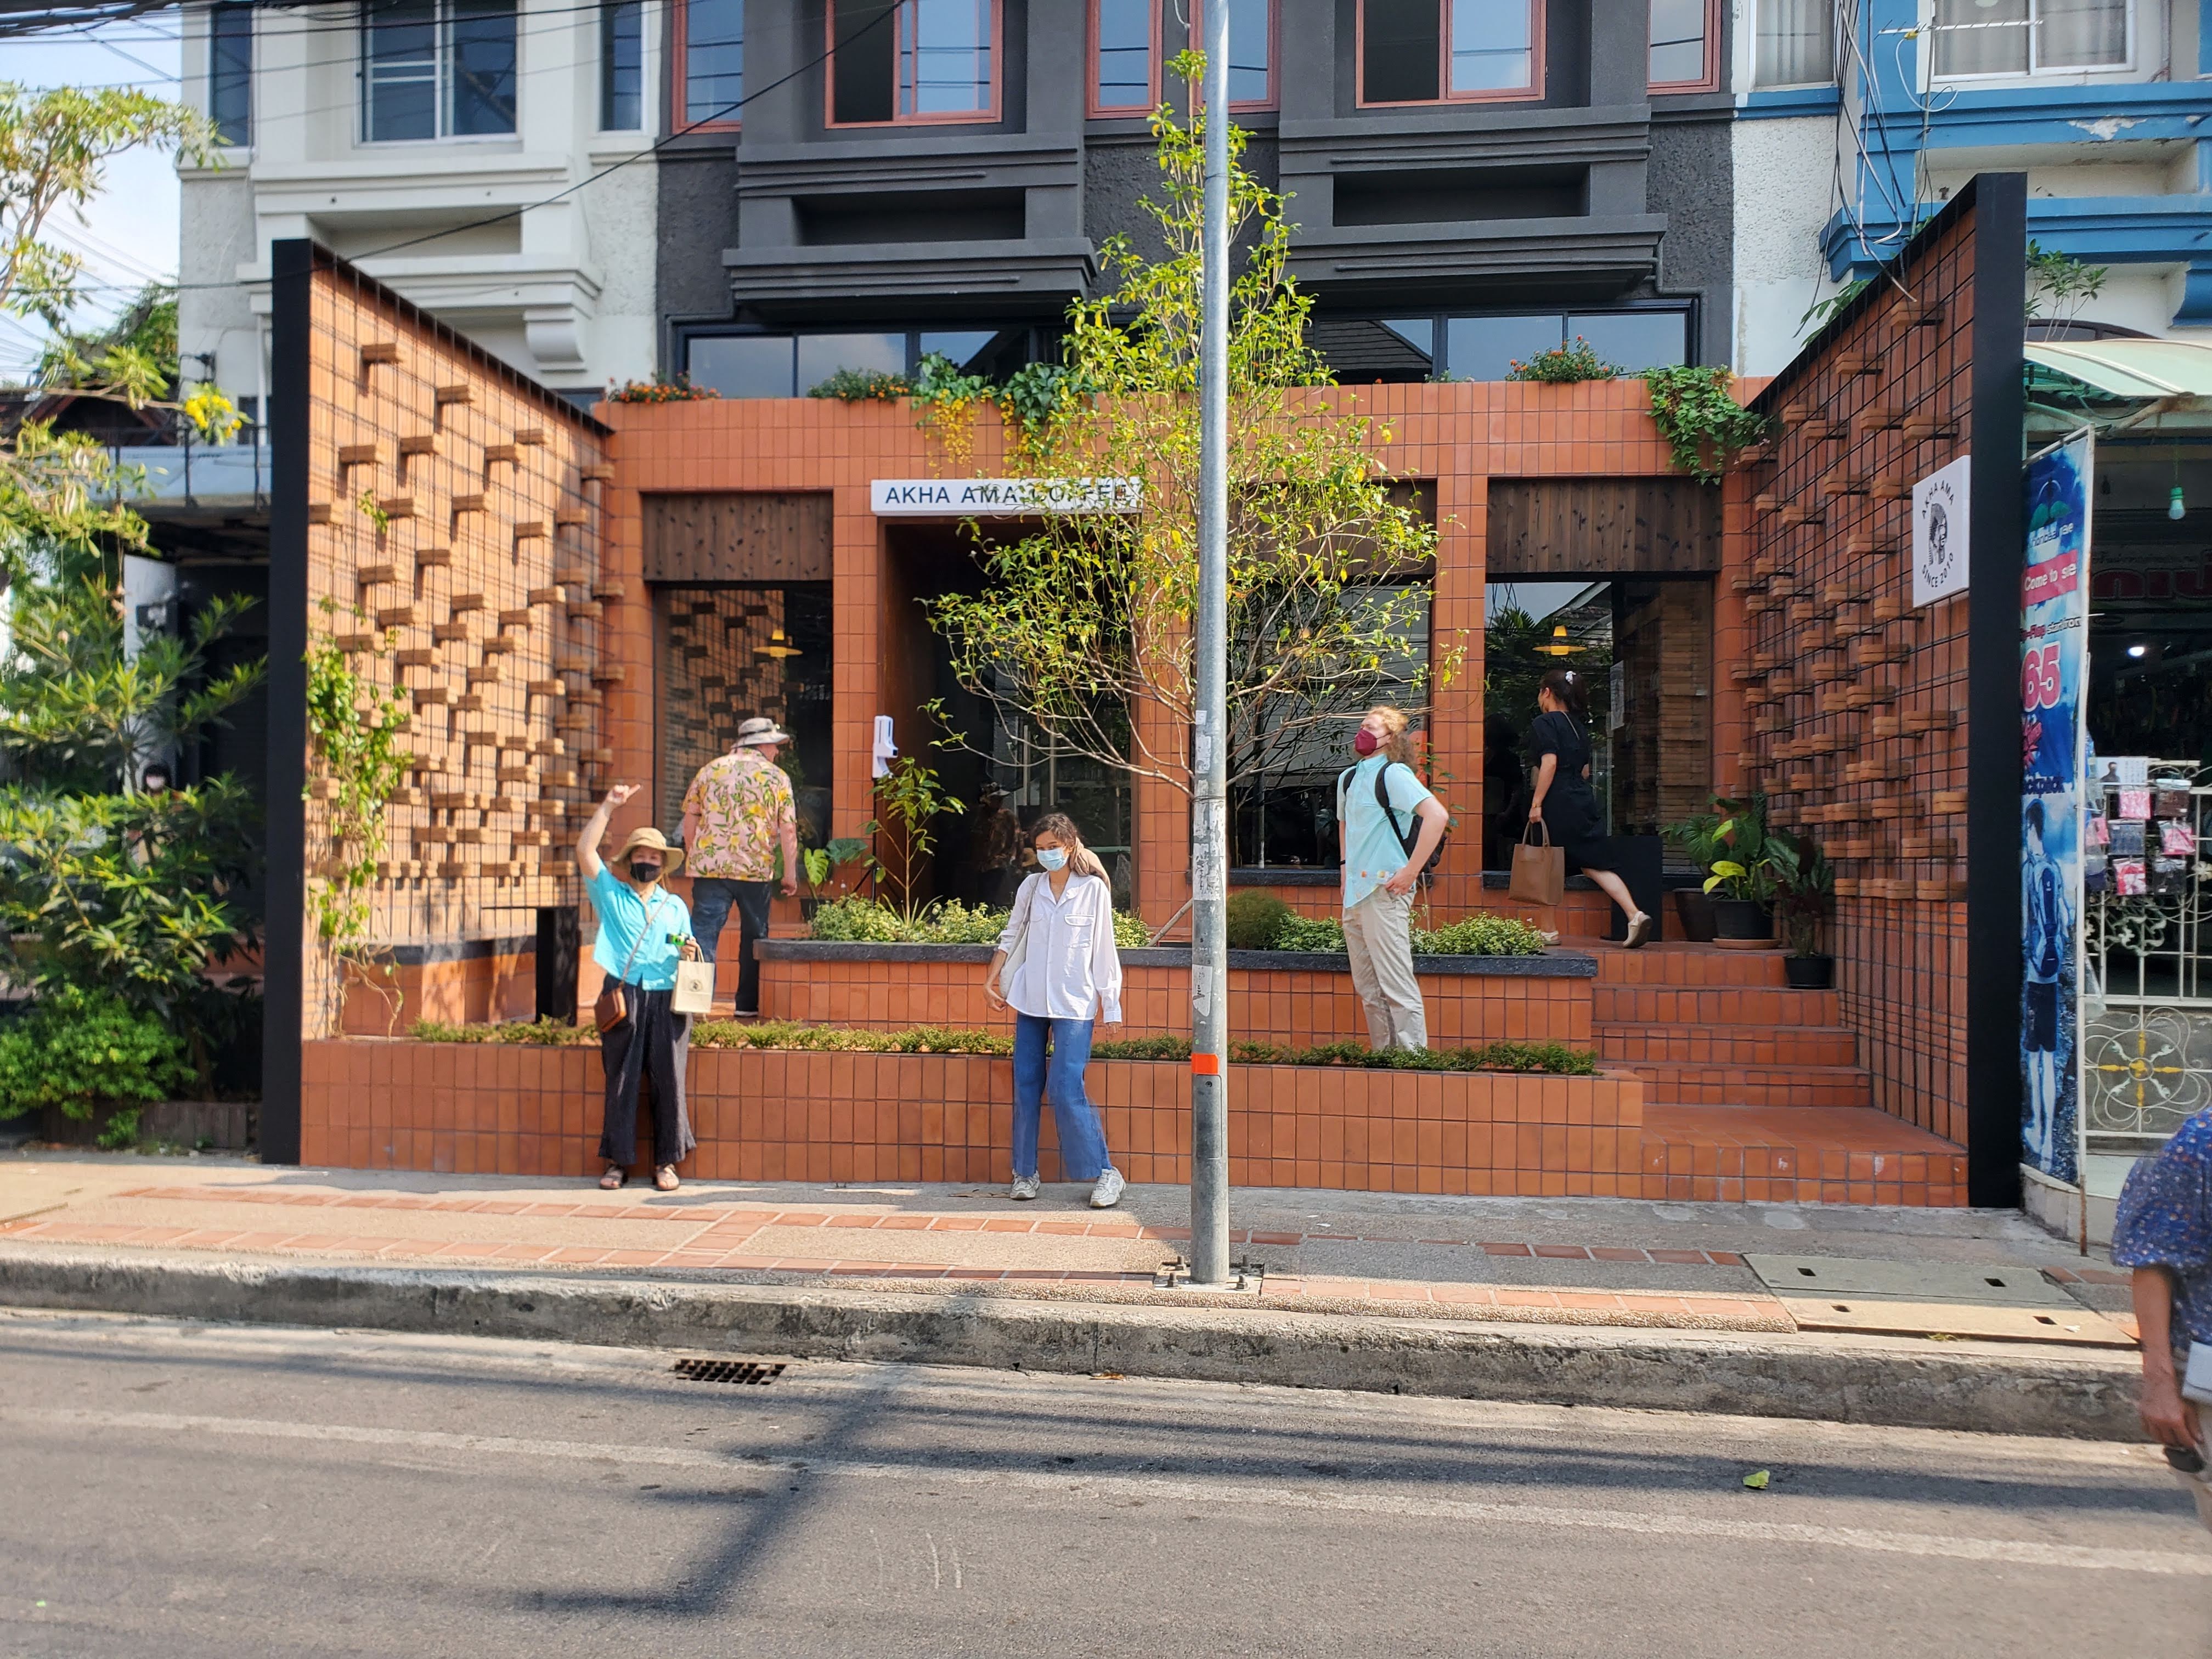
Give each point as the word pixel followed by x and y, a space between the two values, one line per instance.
pixel 651 911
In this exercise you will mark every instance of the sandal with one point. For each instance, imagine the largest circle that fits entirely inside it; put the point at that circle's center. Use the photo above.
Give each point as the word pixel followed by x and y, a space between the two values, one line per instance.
pixel 664 1178
pixel 613 1179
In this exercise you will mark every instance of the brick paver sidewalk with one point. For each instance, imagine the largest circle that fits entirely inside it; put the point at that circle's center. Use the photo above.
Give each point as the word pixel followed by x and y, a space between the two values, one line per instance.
pixel 1596 1262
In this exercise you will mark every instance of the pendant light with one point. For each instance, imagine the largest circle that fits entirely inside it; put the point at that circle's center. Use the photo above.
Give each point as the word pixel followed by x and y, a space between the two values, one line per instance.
pixel 777 647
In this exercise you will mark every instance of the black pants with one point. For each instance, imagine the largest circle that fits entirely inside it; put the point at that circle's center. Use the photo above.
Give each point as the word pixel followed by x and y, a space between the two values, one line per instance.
pixel 651 1046
pixel 712 897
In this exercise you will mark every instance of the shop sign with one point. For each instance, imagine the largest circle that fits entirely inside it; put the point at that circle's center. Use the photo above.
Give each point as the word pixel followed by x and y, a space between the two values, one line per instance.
pixel 2054 604
pixel 962 498
pixel 1939 533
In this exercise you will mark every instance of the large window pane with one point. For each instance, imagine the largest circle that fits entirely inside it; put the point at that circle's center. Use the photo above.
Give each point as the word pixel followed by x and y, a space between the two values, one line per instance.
pixel 1493 45
pixel 1486 347
pixel 743 365
pixel 865 60
pixel 1974 37
pixel 1251 45
pixel 401 50
pixel 945 56
pixel 230 73
pixel 2081 33
pixel 714 59
pixel 1401 51
pixel 482 66
pixel 1634 341
pixel 821 355
pixel 1678 41
pixel 622 65
pixel 963 345
pixel 1122 77
pixel 1796 44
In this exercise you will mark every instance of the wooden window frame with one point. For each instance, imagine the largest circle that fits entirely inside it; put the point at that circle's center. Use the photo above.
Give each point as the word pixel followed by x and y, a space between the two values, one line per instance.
pixel 1533 93
pixel 679 96
pixel 1274 101
pixel 965 118
pixel 1092 109
pixel 1710 80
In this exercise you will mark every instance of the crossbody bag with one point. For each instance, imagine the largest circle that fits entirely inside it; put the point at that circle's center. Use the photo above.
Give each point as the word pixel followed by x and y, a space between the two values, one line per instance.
pixel 611 1010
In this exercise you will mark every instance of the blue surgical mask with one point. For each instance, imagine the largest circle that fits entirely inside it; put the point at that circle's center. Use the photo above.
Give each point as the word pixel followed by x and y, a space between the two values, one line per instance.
pixel 1052 856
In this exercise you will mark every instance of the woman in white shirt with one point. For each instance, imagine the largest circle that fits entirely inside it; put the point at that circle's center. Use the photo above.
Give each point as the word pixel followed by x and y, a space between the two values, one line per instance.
pixel 1065 974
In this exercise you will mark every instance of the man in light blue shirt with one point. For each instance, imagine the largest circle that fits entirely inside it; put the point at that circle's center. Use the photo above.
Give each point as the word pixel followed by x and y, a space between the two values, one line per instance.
pixel 1384 854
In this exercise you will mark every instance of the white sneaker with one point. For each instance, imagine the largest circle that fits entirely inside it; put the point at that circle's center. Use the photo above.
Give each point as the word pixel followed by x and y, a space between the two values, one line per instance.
pixel 1107 1192
pixel 1026 1187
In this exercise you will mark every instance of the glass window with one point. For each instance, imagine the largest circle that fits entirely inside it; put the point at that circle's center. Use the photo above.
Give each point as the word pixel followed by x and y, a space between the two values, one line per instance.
pixel 1634 341
pixel 230 73
pixel 743 365
pixel 1679 36
pixel 1122 49
pixel 962 345
pixel 439 69
pixel 1418 332
pixel 713 60
pixel 1485 348
pixel 1796 43
pixel 945 57
pixel 1251 54
pixel 1414 51
pixel 821 355
pixel 622 65
pixel 2022 37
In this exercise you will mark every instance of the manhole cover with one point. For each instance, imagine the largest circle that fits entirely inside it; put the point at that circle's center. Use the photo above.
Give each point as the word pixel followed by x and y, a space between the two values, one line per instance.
pixel 726 1370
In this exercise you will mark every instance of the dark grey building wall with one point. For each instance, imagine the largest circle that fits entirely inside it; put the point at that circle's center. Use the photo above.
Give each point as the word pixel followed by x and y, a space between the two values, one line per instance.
pixel 697 219
pixel 1692 182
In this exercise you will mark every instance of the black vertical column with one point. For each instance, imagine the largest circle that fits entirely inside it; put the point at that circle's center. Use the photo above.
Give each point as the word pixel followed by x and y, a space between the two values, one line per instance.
pixel 1993 763
pixel 284 949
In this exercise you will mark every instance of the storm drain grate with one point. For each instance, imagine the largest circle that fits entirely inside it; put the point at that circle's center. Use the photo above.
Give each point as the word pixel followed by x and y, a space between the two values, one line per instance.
pixel 726 1370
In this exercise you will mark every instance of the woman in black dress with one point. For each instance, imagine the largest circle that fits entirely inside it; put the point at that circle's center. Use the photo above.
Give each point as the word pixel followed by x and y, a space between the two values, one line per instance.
pixel 1564 804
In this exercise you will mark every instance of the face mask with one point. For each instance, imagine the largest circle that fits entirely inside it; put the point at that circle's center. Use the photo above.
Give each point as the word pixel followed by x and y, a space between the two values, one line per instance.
pixel 645 872
pixel 1364 742
pixel 1052 856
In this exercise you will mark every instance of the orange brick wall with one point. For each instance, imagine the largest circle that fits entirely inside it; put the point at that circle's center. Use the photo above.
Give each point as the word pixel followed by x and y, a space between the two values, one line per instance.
pixel 499 986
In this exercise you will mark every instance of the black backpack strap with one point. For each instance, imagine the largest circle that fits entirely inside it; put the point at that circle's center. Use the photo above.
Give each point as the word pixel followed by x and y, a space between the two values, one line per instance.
pixel 1389 812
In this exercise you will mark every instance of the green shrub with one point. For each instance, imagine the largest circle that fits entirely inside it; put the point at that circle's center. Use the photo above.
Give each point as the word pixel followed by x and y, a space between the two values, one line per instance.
pixel 1481 936
pixel 866 922
pixel 859 385
pixel 1254 919
pixel 1310 933
pixel 81 1050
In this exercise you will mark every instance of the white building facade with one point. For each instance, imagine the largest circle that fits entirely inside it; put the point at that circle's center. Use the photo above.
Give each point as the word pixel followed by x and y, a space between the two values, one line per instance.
pixel 488 158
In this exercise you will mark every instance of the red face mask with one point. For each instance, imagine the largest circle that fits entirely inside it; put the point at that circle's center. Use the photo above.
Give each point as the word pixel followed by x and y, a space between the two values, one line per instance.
pixel 1364 742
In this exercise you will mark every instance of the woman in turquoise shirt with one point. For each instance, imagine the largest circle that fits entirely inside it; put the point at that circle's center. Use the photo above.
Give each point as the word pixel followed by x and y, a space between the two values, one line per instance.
pixel 645 931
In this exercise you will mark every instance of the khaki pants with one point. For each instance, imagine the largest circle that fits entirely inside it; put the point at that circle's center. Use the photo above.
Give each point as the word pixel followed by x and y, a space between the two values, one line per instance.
pixel 1378 935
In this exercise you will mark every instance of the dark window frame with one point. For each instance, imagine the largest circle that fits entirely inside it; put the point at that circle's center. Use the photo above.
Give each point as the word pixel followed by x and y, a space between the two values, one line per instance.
pixel 1533 93
pixel 612 13
pixel 231 72
pixel 901 10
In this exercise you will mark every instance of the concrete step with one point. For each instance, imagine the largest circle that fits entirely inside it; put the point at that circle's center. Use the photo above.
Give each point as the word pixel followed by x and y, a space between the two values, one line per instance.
pixel 1686 1083
pixel 1689 1006
pixel 1727 1045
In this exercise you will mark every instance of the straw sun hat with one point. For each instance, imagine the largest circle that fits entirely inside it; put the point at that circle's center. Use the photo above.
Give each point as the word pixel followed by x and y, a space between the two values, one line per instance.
pixel 670 857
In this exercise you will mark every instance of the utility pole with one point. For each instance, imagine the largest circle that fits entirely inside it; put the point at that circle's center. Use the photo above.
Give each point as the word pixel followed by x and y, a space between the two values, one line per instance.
pixel 1209 829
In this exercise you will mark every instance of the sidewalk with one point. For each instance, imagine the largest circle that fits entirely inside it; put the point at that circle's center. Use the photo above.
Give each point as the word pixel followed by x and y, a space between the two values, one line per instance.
pixel 1551 1261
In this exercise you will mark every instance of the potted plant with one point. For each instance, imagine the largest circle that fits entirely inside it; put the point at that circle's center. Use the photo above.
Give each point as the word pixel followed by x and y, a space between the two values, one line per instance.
pixel 1698 838
pixel 1743 880
pixel 1807 891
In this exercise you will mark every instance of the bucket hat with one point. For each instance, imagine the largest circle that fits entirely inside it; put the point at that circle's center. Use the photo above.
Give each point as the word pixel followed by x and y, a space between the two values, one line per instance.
pixel 670 857
pixel 759 730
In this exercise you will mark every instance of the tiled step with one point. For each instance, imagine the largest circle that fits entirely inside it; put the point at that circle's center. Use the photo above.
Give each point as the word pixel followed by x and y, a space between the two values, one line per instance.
pixel 1693 966
pixel 1833 1156
pixel 1667 1005
pixel 1677 1083
pixel 1630 1041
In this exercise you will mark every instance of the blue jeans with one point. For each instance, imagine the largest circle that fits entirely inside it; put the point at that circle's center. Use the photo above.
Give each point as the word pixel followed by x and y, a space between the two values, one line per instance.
pixel 712 898
pixel 1083 1155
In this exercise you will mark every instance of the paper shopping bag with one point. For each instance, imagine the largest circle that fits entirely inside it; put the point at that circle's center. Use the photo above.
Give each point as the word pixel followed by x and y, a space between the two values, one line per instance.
pixel 695 988
pixel 1540 870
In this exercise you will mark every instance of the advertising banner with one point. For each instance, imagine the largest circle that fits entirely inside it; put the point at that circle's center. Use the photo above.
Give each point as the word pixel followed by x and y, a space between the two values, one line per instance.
pixel 2054 606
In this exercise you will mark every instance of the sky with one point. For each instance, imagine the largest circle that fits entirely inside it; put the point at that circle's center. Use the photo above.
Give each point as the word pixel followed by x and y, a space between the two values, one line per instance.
pixel 128 234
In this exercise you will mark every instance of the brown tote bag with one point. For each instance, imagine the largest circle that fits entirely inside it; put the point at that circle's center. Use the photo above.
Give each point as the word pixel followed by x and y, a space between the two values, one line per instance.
pixel 1540 870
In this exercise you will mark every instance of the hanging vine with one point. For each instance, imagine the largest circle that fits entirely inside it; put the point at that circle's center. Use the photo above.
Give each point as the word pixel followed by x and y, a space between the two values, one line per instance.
pixel 356 767
pixel 1705 427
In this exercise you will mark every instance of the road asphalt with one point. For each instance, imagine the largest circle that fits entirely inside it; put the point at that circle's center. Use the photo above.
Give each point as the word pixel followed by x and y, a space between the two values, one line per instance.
pixel 192 1490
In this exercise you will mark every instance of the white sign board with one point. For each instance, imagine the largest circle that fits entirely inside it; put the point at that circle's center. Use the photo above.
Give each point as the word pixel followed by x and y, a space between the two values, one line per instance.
pixel 1939 533
pixel 959 498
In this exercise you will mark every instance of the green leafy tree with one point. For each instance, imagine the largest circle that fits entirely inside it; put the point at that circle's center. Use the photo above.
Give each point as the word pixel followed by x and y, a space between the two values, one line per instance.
pixel 1087 622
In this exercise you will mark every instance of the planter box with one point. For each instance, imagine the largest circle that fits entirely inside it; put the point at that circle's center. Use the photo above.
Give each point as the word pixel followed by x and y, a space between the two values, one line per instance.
pixel 1296 999
pixel 759 1115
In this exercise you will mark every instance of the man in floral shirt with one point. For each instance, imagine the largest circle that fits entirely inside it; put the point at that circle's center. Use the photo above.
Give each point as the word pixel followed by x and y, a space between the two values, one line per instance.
pixel 2164 1231
pixel 738 819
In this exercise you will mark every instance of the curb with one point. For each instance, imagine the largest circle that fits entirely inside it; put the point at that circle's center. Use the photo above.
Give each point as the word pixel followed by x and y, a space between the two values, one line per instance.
pixel 1982 1388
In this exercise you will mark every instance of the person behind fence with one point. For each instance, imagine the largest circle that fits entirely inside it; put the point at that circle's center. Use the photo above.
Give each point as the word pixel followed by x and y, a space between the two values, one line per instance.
pixel 1388 825
pixel 645 931
pixel 2163 1230
pixel 738 820
pixel 1057 966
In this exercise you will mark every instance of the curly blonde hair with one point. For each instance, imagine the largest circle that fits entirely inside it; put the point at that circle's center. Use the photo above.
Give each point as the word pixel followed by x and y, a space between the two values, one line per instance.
pixel 1397 739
